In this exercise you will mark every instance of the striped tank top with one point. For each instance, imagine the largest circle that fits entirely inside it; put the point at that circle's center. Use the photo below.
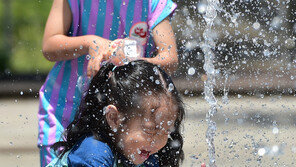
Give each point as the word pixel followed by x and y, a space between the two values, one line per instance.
pixel 60 95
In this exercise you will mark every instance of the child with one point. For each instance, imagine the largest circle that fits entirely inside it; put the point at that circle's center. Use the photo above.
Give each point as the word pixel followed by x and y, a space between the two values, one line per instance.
pixel 77 28
pixel 130 113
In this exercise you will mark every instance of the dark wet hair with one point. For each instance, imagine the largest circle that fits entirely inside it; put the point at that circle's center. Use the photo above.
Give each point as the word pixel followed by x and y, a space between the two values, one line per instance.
pixel 119 86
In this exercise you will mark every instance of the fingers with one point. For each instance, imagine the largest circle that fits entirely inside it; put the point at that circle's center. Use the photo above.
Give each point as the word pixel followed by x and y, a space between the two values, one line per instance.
pixel 89 67
pixel 115 44
pixel 97 64
pixel 94 65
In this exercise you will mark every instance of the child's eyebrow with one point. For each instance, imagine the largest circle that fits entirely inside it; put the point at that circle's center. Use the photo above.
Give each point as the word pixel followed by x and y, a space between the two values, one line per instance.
pixel 154 104
pixel 165 114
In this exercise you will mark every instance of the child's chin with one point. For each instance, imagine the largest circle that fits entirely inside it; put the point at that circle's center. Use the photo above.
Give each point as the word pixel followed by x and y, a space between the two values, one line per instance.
pixel 138 161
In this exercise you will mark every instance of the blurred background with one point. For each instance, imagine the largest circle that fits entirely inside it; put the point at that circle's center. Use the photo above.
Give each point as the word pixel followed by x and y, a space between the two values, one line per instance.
pixel 255 65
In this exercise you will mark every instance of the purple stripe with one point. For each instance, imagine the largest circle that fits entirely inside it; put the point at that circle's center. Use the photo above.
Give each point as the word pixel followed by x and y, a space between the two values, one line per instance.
pixel 123 10
pixel 158 10
pixel 108 19
pixel 92 24
pixel 42 112
pixel 149 9
pixel 137 11
pixel 41 117
pixel 53 104
pixel 80 20
pixel 75 15
pixel 70 93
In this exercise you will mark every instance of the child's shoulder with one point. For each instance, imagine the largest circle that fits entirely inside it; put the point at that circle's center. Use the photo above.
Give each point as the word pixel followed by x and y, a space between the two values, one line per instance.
pixel 160 9
pixel 91 151
pixel 90 142
pixel 155 3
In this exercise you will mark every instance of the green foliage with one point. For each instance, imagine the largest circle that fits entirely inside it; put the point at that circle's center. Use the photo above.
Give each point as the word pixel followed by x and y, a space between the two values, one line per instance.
pixel 28 22
pixel 3 51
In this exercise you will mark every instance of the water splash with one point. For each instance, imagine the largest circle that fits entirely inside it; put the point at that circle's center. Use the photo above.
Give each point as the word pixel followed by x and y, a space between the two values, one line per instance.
pixel 225 99
pixel 207 48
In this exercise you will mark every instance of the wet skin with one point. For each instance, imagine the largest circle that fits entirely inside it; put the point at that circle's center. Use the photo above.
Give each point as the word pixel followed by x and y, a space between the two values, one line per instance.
pixel 146 131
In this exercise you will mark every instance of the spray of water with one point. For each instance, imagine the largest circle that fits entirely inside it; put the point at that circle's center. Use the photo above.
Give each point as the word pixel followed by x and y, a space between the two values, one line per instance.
pixel 207 48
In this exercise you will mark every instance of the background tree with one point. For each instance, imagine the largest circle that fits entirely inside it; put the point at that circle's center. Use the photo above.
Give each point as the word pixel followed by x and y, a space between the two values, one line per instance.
pixel 5 34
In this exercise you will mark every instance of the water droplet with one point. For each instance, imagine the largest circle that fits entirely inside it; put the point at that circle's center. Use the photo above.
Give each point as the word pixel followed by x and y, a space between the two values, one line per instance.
pixel 266 53
pixel 175 144
pixel 191 71
pixel 261 151
pixel 152 78
pixel 275 148
pixel 275 130
pixel 171 87
pixel 290 43
pixel 256 25
pixel 157 82
pixel 276 22
pixel 201 7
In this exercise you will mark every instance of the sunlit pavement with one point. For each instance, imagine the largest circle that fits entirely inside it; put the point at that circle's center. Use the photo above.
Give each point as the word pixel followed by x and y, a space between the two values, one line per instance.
pixel 247 127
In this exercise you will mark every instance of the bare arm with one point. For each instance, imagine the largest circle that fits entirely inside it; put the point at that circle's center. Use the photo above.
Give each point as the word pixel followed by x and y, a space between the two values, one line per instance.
pixel 165 42
pixel 57 46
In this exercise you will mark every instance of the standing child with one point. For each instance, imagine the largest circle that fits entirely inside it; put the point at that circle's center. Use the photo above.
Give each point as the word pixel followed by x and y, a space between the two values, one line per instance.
pixel 76 28
pixel 131 115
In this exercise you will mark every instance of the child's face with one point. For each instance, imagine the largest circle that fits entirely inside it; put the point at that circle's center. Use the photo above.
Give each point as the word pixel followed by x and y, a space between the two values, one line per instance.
pixel 147 130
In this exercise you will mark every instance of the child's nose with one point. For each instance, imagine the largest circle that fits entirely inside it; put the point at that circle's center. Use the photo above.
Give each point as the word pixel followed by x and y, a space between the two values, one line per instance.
pixel 149 127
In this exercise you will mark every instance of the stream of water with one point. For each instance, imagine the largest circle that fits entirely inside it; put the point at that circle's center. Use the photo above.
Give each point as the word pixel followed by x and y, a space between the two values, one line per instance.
pixel 209 83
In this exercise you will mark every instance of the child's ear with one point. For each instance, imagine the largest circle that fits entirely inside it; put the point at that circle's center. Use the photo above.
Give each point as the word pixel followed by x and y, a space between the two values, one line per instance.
pixel 114 118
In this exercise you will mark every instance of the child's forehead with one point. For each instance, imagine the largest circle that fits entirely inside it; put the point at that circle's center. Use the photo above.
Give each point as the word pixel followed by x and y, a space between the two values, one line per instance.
pixel 160 104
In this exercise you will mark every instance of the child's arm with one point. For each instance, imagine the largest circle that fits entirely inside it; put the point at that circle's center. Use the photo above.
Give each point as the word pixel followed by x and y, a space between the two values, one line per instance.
pixel 57 46
pixel 165 42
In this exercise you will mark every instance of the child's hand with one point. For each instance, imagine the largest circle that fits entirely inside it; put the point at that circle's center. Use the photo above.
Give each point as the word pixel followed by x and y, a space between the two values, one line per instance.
pixel 117 54
pixel 99 51
pixel 115 44
pixel 124 51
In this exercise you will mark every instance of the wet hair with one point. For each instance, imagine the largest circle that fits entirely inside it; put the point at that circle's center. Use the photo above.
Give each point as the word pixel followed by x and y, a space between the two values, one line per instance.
pixel 119 86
